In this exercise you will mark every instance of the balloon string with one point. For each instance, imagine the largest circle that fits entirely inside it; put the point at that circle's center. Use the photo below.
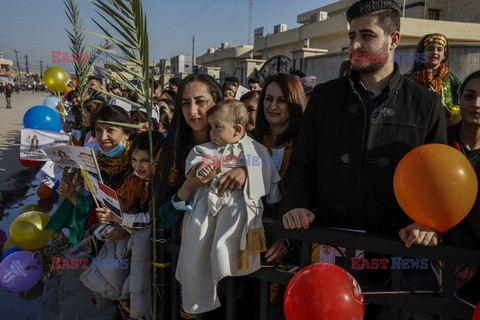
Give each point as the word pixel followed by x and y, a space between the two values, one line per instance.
pixel 440 264
pixel 62 109
pixel 396 292
pixel 466 302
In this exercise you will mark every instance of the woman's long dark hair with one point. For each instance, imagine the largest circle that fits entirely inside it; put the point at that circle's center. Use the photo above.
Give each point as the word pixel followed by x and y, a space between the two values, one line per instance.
pixel 292 90
pixel 419 65
pixel 179 141
pixel 474 75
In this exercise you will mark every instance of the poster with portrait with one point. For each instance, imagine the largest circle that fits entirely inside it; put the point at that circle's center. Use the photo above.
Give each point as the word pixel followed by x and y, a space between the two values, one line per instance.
pixel 34 142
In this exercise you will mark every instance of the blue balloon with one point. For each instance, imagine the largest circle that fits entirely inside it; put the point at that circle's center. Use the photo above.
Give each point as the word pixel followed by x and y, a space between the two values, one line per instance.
pixel 42 118
pixel 51 102
pixel 9 251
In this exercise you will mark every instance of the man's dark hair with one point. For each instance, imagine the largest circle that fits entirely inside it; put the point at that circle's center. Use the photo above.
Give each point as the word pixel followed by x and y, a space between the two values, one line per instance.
pixel 255 80
pixel 94 77
pixel 232 79
pixel 175 80
pixel 386 11
pixel 172 94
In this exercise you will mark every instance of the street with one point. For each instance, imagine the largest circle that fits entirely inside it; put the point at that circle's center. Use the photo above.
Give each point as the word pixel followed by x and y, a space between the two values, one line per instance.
pixel 15 181
pixel 10 124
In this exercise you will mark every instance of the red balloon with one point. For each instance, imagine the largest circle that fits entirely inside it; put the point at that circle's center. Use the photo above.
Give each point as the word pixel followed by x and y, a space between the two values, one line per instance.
pixel 323 291
pixel 476 313
pixel 27 163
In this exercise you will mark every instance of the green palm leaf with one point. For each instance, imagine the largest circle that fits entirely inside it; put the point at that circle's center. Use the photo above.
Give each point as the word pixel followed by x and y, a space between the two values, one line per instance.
pixel 128 31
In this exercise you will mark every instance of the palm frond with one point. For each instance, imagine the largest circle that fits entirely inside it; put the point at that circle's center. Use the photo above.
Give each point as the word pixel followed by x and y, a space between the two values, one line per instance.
pixel 121 124
pixel 127 19
pixel 76 39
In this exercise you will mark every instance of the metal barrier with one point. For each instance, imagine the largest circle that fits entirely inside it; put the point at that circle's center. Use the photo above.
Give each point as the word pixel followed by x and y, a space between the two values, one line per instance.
pixel 442 302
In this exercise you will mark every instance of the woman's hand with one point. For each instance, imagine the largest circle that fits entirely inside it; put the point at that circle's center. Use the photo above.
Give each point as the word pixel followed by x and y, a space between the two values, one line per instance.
pixel 116 234
pixel 105 216
pixel 418 234
pixel 277 251
pixel 68 190
pixel 233 180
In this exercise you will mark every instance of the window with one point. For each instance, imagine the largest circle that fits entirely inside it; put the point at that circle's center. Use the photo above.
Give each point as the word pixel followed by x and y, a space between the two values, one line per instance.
pixel 187 66
pixel 433 14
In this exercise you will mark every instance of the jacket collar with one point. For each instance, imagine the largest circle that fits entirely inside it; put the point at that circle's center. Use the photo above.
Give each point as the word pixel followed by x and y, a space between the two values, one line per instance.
pixel 392 82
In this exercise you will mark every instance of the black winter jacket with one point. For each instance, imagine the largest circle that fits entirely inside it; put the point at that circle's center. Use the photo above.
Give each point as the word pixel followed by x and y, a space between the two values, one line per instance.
pixel 342 166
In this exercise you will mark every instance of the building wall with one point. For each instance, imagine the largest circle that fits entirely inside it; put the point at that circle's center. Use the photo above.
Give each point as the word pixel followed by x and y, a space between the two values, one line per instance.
pixel 464 59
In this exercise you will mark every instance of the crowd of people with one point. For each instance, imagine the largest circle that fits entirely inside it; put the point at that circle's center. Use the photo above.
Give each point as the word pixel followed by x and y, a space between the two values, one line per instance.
pixel 289 149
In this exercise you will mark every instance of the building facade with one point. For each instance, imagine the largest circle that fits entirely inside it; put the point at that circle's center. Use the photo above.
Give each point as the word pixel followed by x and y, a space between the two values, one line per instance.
pixel 325 31
pixel 6 71
pixel 181 64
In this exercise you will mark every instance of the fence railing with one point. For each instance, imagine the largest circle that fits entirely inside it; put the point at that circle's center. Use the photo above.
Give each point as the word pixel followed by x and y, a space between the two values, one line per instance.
pixel 441 302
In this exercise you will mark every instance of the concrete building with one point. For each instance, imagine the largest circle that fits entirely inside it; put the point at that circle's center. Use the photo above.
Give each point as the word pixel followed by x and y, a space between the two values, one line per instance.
pixel 6 71
pixel 181 64
pixel 230 60
pixel 325 31
pixel 327 28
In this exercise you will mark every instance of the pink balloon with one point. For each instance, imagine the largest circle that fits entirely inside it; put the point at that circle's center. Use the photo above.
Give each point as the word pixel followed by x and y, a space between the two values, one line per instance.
pixel 20 271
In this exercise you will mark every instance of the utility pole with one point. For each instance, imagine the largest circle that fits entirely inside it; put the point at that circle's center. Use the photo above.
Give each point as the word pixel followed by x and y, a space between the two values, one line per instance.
pixel 26 63
pixel 41 70
pixel 18 66
pixel 193 52
pixel 250 24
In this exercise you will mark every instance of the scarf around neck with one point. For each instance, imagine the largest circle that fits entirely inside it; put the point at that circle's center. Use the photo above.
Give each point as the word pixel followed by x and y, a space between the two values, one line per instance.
pixel 428 80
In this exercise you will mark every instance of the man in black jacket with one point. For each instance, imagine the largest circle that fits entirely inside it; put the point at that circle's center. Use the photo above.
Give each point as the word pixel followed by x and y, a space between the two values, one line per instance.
pixel 354 132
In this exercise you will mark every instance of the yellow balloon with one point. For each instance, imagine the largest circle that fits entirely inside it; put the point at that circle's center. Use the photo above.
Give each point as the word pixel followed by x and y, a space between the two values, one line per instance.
pixel 55 79
pixel 8 244
pixel 26 231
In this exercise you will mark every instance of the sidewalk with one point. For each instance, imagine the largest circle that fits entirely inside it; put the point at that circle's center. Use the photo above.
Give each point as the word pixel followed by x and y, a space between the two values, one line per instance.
pixel 66 298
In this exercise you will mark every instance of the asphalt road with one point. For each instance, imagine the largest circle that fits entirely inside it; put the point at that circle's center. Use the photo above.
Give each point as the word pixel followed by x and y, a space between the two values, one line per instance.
pixel 13 176
pixel 15 180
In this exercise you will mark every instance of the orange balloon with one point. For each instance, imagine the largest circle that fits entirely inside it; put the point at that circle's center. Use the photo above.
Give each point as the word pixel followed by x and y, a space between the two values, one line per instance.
pixel 44 192
pixel 67 90
pixel 436 186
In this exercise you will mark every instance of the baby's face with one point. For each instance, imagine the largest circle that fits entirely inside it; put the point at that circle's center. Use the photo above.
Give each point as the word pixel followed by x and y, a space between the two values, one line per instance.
pixel 222 130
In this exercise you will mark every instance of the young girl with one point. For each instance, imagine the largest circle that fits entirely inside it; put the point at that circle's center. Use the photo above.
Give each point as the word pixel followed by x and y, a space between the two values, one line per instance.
pixel 131 286
pixel 233 221
pixel 431 71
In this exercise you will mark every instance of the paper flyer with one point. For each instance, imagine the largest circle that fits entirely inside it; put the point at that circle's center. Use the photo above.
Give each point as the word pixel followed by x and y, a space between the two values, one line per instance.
pixel 73 156
pixel 34 142
pixel 48 173
pixel 240 92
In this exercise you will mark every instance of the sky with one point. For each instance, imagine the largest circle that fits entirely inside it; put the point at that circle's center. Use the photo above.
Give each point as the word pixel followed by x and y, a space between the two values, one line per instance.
pixel 37 27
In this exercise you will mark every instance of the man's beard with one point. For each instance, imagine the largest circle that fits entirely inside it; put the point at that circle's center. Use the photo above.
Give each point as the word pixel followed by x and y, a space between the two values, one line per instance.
pixel 371 67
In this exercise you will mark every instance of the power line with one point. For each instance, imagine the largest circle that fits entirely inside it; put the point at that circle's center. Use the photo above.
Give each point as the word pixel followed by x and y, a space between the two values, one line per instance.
pixel 26 63
pixel 185 22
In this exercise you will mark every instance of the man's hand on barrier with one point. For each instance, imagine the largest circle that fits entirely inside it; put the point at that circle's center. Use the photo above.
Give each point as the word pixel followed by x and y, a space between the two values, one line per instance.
pixel 298 218
pixel 418 234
